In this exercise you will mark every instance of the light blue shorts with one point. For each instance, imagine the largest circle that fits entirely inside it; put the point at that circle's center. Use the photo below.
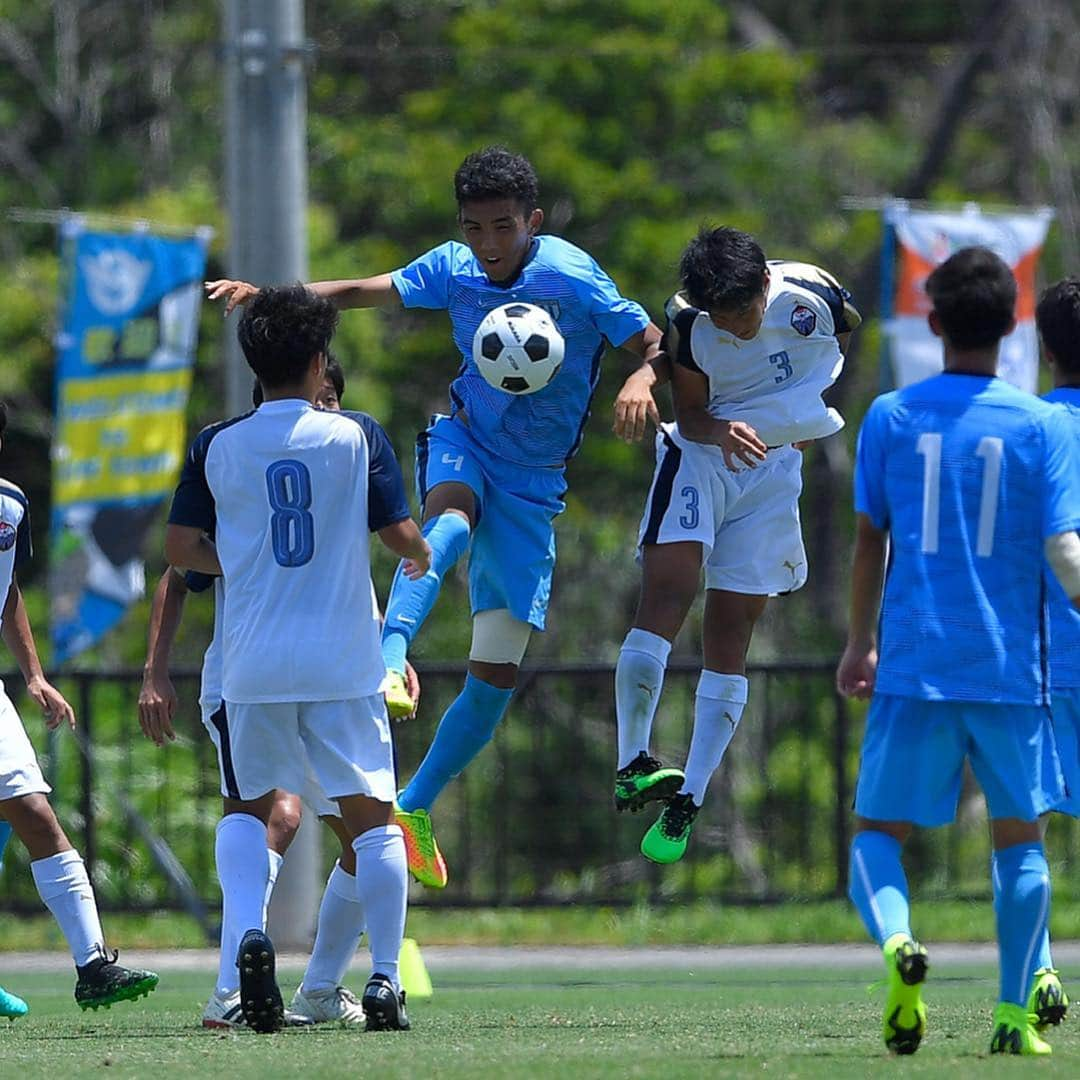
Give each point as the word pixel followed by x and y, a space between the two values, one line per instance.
pixel 913 757
pixel 1065 709
pixel 513 545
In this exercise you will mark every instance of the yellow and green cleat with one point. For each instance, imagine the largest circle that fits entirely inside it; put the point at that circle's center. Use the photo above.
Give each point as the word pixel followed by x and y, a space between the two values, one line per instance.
pixel 1014 1033
pixel 399 706
pixel 1047 1003
pixel 904 1021
pixel 103 982
pixel 666 841
pixel 426 863
pixel 645 780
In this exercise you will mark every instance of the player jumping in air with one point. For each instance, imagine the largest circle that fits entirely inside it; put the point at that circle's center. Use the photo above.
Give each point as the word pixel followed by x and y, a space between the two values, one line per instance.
pixel 753 345
pixel 58 870
pixel 962 482
pixel 321 996
pixel 493 471
pixel 289 494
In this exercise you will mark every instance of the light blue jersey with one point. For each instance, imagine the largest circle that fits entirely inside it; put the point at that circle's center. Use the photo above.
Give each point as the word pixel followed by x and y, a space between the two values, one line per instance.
pixel 1064 618
pixel 545 428
pixel 969 475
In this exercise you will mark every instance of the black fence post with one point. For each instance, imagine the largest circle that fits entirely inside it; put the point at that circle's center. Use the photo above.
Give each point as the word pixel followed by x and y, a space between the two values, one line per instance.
pixel 842 822
pixel 86 801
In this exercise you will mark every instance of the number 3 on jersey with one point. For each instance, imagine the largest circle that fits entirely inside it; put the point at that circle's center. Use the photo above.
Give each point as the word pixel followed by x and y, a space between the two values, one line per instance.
pixel 292 528
pixel 990 449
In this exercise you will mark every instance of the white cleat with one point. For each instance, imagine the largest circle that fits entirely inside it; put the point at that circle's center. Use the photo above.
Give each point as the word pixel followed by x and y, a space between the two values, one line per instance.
pixel 225 1013
pixel 323 1006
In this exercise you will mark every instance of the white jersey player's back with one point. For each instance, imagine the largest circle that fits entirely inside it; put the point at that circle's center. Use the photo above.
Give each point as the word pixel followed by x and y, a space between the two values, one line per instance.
pixel 290 492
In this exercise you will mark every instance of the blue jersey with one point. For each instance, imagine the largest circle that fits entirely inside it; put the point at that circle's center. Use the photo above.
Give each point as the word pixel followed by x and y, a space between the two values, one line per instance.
pixel 544 428
pixel 969 476
pixel 1064 618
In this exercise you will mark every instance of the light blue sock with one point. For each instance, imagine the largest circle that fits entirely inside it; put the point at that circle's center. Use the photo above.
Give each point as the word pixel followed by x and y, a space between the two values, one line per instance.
pixel 5 835
pixel 411 601
pixel 1043 956
pixel 1022 907
pixel 877 885
pixel 463 732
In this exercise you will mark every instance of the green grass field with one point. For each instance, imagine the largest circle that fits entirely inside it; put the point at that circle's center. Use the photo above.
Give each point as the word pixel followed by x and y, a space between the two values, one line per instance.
pixel 581 1024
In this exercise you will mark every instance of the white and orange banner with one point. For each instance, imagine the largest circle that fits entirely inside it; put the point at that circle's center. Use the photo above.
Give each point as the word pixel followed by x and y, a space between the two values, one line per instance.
pixel 925 238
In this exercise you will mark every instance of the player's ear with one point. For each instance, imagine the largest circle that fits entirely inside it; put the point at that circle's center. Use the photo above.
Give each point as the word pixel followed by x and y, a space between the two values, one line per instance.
pixel 535 220
pixel 934 323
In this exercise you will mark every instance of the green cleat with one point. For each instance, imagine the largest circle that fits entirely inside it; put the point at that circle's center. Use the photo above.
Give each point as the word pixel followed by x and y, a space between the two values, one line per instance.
pixel 399 706
pixel 904 1021
pixel 1047 1003
pixel 12 1006
pixel 1014 1032
pixel 104 982
pixel 666 841
pixel 426 863
pixel 645 780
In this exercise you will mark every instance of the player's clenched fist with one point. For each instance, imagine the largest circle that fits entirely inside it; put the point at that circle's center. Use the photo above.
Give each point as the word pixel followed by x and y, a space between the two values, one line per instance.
pixel 236 293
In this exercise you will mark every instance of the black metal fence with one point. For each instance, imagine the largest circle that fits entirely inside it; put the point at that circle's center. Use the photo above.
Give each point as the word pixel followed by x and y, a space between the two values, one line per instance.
pixel 531 821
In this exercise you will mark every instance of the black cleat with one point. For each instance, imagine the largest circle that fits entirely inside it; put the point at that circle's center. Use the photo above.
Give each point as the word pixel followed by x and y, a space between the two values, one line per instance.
pixel 384 1007
pixel 103 981
pixel 260 997
pixel 643 781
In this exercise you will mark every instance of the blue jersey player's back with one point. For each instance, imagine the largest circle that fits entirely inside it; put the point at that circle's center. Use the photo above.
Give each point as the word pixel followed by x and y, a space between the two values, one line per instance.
pixel 544 428
pixel 969 476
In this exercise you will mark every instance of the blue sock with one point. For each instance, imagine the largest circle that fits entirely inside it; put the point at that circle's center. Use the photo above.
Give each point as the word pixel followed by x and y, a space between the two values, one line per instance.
pixel 1022 907
pixel 5 835
pixel 463 732
pixel 877 885
pixel 1043 957
pixel 411 601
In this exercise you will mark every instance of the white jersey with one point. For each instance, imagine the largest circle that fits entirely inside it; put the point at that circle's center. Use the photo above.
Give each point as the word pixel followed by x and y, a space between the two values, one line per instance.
pixel 14 536
pixel 774 381
pixel 289 494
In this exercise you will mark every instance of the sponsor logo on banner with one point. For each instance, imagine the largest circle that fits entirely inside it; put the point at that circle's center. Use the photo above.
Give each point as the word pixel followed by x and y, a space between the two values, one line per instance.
pixel 803 320
pixel 115 280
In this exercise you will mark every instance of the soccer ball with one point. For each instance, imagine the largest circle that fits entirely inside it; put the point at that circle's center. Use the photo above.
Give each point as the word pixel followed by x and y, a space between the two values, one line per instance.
pixel 518 348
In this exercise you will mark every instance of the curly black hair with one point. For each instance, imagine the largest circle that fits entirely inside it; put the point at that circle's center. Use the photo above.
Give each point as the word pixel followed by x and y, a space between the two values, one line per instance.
pixel 281 329
pixel 497 173
pixel 974 295
pixel 1057 317
pixel 334 372
pixel 722 269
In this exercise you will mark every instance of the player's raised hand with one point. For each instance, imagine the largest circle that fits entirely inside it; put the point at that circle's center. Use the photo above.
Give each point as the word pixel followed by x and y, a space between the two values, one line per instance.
pixel 53 704
pixel 857 671
pixel 635 406
pixel 235 292
pixel 157 707
pixel 740 442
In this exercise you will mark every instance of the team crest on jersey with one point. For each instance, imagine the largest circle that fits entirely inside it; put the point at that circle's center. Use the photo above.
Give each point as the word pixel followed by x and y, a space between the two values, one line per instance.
pixel 803 320
pixel 7 536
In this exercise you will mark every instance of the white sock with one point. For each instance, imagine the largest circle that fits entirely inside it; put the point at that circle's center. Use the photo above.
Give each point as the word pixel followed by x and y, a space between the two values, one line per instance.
pixel 639 678
pixel 718 708
pixel 382 884
pixel 63 884
pixel 341 922
pixel 275 861
pixel 243 870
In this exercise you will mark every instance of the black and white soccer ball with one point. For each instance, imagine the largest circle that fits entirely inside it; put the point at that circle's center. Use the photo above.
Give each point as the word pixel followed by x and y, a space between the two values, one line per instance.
pixel 518 348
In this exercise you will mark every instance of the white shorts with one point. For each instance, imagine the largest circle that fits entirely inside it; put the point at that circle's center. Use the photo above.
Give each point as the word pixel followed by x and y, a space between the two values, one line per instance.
pixel 20 773
pixel 323 750
pixel 746 521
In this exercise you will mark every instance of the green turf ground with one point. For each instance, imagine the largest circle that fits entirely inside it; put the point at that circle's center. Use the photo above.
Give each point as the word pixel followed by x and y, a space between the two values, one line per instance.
pixel 579 1024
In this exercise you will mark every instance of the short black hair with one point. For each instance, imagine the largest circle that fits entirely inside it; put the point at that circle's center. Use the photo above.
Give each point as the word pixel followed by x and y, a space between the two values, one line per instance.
pixel 334 373
pixel 497 173
pixel 282 329
pixel 974 295
pixel 722 269
pixel 1057 317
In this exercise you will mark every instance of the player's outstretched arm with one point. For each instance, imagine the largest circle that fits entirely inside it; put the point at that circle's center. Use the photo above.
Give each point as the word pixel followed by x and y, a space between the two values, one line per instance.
pixel 690 396
pixel 19 638
pixel 157 697
pixel 857 670
pixel 403 538
pixel 635 405
pixel 189 548
pixel 356 293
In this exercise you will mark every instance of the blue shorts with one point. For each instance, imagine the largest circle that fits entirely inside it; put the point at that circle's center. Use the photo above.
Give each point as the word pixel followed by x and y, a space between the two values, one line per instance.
pixel 913 757
pixel 1065 709
pixel 513 545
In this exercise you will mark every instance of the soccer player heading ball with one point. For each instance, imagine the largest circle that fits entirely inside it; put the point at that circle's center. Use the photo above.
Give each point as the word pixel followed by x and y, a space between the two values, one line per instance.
pixel 753 345
pixel 967 481
pixel 493 471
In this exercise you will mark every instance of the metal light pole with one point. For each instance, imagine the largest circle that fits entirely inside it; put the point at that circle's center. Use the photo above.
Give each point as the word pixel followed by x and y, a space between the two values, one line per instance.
pixel 266 190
